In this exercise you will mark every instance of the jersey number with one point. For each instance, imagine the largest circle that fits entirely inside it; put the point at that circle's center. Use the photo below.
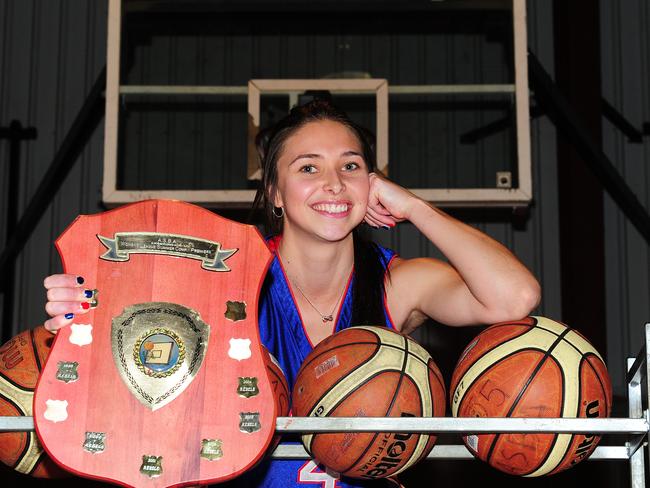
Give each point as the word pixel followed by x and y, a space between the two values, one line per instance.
pixel 311 473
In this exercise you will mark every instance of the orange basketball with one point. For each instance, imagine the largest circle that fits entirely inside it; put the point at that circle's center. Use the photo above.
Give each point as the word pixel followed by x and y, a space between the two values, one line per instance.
pixel 535 367
pixel 280 390
pixel 21 360
pixel 368 372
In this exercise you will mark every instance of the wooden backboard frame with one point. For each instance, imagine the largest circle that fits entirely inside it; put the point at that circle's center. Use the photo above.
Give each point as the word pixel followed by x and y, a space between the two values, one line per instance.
pixel 456 197
pixel 377 87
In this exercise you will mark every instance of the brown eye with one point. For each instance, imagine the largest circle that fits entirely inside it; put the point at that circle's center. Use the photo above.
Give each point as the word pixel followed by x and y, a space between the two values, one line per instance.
pixel 308 168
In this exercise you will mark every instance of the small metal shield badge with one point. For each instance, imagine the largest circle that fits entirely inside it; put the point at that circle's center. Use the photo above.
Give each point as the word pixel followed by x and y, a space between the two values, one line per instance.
pixel 249 422
pixel 67 371
pixel 158 348
pixel 211 449
pixel 240 349
pixel 247 387
pixel 151 466
pixel 95 442
pixel 235 311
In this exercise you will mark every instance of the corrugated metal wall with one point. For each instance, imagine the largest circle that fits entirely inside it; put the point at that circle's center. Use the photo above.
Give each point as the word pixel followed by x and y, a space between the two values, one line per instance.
pixel 52 51
pixel 50 56
pixel 625 51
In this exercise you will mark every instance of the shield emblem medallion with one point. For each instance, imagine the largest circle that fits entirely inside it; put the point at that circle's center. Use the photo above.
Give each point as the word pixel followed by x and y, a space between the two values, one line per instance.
pixel 158 349
pixel 151 372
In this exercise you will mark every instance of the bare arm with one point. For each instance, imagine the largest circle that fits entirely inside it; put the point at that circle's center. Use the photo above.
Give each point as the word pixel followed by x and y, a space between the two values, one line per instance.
pixel 483 282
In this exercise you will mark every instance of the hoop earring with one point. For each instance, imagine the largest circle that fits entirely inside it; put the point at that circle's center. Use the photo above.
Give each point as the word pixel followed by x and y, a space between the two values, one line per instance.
pixel 280 214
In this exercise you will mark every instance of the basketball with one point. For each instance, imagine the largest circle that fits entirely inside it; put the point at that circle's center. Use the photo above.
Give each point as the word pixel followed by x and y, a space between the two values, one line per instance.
pixel 535 367
pixel 280 390
pixel 21 360
pixel 368 372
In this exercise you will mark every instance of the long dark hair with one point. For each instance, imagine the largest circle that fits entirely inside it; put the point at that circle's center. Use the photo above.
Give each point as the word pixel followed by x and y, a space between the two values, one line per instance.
pixel 369 270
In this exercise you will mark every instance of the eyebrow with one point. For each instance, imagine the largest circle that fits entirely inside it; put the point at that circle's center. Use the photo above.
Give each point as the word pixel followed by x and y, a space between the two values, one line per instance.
pixel 318 156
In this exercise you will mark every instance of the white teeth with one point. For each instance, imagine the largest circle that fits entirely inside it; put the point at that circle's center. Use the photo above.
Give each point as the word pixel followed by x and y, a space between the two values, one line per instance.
pixel 331 208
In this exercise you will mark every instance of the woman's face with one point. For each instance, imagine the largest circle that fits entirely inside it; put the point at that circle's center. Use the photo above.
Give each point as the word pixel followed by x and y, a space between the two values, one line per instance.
pixel 322 181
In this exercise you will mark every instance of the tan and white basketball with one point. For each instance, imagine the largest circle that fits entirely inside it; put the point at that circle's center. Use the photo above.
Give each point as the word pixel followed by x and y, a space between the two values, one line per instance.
pixel 535 367
pixel 368 372
pixel 21 361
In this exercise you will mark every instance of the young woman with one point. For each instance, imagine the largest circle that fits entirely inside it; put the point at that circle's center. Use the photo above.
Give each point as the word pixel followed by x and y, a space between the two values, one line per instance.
pixel 318 187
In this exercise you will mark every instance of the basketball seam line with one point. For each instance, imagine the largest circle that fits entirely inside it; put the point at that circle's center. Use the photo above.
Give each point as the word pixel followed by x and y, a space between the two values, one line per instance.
pixel 549 451
pixel 36 358
pixel 586 361
pixel 478 358
pixel 27 436
pixel 392 402
pixel 29 444
pixel 525 387
pixel 367 360
pixel 378 344
pixel 583 361
pixel 22 388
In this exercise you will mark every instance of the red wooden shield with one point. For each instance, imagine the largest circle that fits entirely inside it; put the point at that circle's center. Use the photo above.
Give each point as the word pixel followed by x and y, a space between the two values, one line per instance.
pixel 164 383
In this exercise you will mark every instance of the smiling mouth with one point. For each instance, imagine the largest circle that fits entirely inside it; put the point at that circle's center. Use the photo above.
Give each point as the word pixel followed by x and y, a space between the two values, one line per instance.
pixel 332 208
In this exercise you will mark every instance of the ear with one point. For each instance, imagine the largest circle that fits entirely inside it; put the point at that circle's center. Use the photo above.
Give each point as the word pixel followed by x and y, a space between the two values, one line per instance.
pixel 275 197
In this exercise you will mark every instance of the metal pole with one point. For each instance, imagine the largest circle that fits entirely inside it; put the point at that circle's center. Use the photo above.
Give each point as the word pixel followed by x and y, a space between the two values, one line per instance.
pixel 82 128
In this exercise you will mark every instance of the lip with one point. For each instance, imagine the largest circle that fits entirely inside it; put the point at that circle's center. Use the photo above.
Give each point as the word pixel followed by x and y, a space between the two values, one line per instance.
pixel 334 209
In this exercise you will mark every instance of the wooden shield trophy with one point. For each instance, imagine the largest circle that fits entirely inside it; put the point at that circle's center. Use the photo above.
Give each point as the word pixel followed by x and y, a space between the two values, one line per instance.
pixel 164 383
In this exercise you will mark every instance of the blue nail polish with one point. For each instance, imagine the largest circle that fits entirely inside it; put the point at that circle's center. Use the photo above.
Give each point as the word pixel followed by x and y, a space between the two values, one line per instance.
pixel 88 293
pixel 385 227
pixel 80 280
pixel 69 316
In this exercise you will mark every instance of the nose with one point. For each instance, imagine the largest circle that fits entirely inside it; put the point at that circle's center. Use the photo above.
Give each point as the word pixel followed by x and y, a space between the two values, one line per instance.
pixel 333 183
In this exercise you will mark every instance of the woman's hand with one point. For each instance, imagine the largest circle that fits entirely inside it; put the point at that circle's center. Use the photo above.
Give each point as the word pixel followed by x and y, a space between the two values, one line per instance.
pixel 66 297
pixel 388 203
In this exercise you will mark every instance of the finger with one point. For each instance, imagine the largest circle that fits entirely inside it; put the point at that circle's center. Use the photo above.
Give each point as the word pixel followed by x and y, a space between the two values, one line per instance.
pixel 61 308
pixel 379 208
pixel 55 323
pixel 63 281
pixel 371 222
pixel 374 202
pixel 69 295
pixel 382 219
pixel 378 223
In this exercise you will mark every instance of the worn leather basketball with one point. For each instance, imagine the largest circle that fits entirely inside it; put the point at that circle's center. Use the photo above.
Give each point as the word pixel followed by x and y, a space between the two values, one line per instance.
pixel 369 372
pixel 21 360
pixel 535 367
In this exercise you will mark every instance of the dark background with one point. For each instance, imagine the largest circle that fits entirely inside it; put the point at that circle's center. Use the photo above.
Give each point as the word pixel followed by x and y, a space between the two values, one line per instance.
pixel 593 265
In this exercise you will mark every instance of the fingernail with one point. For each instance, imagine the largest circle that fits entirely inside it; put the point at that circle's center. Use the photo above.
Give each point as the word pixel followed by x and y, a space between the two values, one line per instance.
pixel 88 293
pixel 85 305
pixel 69 316
pixel 385 227
pixel 80 280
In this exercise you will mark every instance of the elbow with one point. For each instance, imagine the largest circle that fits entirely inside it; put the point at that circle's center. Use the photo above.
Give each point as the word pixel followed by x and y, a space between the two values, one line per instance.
pixel 518 304
pixel 529 298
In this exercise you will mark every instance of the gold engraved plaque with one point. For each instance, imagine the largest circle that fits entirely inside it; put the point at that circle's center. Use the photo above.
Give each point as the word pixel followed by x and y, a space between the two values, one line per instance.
pixel 235 311
pixel 158 348
pixel 67 371
pixel 249 422
pixel 210 254
pixel 95 442
pixel 247 387
pixel 151 466
pixel 211 449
